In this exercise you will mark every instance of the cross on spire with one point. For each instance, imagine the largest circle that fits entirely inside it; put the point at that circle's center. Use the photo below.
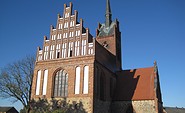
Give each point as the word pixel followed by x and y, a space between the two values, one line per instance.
pixel 108 15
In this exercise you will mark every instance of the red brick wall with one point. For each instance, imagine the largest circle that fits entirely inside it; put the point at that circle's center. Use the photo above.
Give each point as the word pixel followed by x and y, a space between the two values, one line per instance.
pixel 68 65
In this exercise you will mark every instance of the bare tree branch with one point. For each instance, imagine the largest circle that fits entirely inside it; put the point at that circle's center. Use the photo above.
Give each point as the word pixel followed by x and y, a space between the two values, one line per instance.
pixel 16 80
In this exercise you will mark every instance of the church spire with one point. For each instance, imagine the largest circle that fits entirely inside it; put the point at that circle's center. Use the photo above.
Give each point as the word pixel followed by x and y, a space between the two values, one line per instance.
pixel 108 15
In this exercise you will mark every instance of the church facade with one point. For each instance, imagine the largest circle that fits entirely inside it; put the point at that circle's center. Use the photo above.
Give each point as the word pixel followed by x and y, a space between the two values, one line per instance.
pixel 75 66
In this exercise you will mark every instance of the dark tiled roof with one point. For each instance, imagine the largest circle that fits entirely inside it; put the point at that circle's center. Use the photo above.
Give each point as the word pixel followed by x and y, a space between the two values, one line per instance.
pixel 4 109
pixel 8 109
pixel 136 84
pixel 174 110
pixel 103 31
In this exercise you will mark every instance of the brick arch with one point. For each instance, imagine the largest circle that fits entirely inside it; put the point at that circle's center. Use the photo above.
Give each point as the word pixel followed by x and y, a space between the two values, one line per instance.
pixel 58 69
pixel 85 65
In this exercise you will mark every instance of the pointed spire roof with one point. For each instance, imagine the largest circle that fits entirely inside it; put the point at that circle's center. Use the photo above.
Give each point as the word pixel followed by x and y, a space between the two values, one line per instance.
pixel 108 14
pixel 108 9
pixel 107 28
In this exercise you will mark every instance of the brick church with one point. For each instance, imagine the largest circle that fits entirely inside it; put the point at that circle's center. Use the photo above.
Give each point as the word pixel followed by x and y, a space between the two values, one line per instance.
pixel 76 66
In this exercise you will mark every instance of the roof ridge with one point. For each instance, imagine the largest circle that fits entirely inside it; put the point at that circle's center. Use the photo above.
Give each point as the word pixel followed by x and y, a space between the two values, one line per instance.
pixel 138 68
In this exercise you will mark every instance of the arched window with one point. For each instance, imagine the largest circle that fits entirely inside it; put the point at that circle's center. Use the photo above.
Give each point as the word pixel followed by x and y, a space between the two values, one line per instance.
pixel 102 86
pixel 77 81
pixel 38 82
pixel 61 84
pixel 97 82
pixel 45 82
pixel 86 80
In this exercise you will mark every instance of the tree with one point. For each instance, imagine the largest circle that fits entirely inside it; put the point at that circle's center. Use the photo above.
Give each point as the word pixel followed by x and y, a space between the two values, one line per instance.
pixel 42 105
pixel 16 81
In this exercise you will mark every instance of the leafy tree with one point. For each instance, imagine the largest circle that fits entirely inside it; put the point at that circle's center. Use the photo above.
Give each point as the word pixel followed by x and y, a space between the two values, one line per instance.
pixel 16 81
pixel 40 106
pixel 55 106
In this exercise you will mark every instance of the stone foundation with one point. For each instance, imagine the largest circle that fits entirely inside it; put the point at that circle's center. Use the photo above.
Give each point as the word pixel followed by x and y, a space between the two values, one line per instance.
pixel 144 106
pixel 84 103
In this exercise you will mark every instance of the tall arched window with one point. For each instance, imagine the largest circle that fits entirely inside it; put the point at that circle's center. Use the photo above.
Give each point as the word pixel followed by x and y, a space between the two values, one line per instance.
pixel 77 81
pixel 86 80
pixel 45 82
pixel 61 84
pixel 38 82
pixel 102 86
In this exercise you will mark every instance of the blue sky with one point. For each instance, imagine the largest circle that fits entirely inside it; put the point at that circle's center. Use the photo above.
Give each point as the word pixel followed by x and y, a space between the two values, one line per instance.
pixel 151 30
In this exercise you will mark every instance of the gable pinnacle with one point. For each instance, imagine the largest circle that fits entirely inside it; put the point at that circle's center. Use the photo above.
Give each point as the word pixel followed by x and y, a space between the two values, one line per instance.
pixel 155 66
pixel 108 15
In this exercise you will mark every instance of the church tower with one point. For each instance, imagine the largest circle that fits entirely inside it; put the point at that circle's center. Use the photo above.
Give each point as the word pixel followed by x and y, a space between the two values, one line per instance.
pixel 109 35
